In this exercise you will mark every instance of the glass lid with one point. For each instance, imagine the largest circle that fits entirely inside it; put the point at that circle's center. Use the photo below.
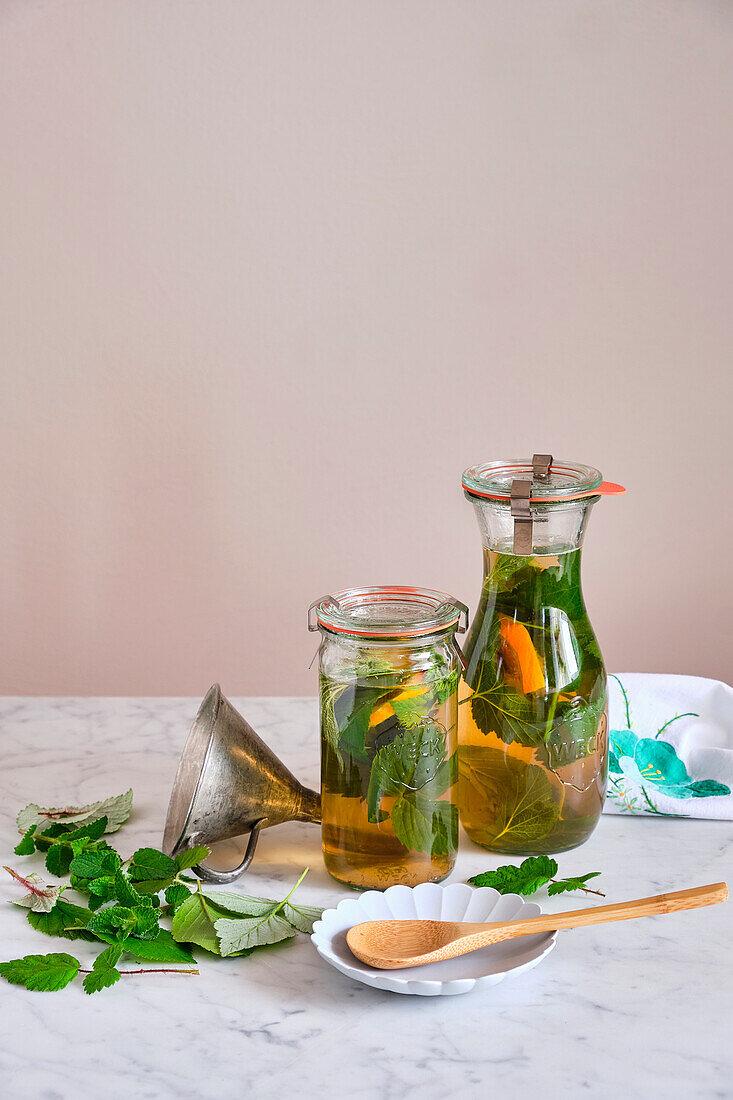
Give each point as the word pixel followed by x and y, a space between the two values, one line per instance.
pixel 388 611
pixel 551 479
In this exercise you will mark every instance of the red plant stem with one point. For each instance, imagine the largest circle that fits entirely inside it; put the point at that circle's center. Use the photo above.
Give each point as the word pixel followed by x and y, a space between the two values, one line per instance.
pixel 145 970
pixel 40 890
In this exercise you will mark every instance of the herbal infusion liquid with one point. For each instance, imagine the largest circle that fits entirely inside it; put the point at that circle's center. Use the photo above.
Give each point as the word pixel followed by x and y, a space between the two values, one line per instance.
pixel 388 682
pixel 533 760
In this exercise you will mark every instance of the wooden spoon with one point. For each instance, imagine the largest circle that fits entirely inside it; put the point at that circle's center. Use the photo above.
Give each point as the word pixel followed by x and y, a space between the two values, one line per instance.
pixel 393 944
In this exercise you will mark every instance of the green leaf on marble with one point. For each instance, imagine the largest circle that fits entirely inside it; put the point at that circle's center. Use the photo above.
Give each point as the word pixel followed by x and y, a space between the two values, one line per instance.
pixel 41 973
pixel 116 810
pixel 241 934
pixel 26 846
pixel 104 970
pixel 163 948
pixel 191 857
pixel 194 922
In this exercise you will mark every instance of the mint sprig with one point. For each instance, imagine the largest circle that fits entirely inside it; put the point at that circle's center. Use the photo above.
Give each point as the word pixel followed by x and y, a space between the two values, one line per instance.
pixel 531 875
pixel 64 841
pixel 124 904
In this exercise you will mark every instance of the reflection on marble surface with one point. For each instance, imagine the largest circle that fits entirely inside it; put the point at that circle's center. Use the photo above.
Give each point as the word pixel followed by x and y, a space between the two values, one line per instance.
pixel 641 1008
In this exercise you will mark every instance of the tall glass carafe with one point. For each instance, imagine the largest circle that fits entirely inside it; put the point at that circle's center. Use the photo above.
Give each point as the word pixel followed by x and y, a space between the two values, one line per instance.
pixel 533 759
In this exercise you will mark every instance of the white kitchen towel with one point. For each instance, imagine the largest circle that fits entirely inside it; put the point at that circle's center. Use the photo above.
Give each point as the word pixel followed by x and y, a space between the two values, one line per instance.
pixel 670 746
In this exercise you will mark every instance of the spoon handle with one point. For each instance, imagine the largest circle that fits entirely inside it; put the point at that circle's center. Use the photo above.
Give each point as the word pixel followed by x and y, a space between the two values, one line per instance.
pixel 695 898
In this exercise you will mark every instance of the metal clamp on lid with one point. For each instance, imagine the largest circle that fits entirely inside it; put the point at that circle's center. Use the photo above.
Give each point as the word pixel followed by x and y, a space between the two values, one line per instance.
pixel 461 627
pixel 541 467
pixel 521 509
pixel 324 601
pixel 453 604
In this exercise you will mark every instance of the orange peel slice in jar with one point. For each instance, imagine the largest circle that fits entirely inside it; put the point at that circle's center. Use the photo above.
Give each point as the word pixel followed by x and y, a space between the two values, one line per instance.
pixel 380 714
pixel 521 664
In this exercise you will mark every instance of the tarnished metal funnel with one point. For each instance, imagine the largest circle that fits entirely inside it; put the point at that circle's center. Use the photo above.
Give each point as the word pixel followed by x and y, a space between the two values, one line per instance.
pixel 230 783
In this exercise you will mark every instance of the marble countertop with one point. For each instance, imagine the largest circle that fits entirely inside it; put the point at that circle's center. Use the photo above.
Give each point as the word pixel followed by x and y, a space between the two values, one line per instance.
pixel 641 1009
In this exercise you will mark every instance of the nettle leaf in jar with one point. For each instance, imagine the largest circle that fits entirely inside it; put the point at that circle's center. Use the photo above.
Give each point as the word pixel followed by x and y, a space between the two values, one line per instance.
pixel 415 769
pixel 347 712
pixel 445 687
pixel 408 764
pixel 330 690
pixel 445 828
pixel 353 716
pixel 414 704
pixel 523 802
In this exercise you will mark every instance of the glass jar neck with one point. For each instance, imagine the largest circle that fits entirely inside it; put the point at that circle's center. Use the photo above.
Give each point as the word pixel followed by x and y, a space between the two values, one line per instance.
pixel 359 645
pixel 556 528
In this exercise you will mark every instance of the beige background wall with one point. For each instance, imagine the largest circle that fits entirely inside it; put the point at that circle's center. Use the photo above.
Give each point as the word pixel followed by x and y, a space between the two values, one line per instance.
pixel 274 273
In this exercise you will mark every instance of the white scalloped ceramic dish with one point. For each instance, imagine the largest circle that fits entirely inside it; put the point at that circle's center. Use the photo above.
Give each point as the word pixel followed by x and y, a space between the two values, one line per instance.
pixel 430 901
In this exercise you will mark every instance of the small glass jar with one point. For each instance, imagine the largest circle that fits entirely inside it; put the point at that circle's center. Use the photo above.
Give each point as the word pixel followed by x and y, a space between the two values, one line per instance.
pixel 389 671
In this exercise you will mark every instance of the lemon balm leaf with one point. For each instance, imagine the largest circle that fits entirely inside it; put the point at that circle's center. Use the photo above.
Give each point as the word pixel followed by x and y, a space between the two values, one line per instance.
pixel 151 870
pixel 191 857
pixel 176 895
pixel 529 876
pixel 532 874
pixel 41 973
pixel 302 917
pixel 26 846
pixel 568 885
pixel 104 970
pixel 163 948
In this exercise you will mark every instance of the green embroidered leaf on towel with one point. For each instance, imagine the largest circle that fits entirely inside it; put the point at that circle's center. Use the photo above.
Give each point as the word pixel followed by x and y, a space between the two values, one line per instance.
pixel 705 788
pixel 655 766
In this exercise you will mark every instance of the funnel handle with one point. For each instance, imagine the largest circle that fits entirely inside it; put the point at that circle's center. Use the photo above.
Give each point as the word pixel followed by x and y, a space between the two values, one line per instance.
pixel 208 874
